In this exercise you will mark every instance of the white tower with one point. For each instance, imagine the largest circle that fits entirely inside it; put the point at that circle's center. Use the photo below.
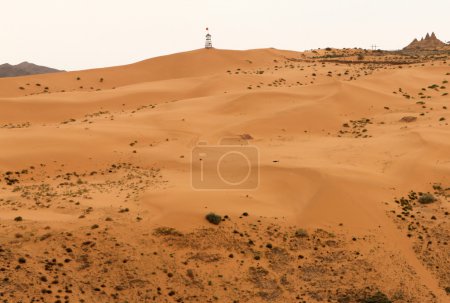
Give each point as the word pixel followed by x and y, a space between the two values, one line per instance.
pixel 208 42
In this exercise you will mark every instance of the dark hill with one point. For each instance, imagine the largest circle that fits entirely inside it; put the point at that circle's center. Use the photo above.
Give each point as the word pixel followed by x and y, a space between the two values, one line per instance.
pixel 24 69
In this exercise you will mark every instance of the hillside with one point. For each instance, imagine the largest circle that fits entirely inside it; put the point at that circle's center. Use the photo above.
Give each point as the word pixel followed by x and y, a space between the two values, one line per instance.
pixel 24 69
pixel 99 201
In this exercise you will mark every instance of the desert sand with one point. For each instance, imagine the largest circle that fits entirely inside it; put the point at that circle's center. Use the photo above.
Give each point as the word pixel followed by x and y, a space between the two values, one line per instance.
pixel 96 202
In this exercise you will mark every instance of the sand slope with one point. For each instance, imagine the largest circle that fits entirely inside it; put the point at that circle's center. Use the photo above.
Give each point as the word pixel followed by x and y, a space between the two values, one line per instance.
pixel 105 156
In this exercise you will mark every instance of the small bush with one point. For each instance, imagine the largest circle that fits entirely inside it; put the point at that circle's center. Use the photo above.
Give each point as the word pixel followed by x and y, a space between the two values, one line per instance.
pixel 301 233
pixel 437 186
pixel 45 236
pixel 18 219
pixel 213 218
pixel 167 231
pixel 426 198
pixel 408 119
pixel 378 297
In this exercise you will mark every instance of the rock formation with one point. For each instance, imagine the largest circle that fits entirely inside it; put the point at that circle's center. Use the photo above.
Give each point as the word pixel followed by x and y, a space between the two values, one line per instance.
pixel 429 42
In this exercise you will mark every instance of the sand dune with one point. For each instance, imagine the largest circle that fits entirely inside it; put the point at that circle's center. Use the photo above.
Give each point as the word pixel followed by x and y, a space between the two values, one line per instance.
pixel 96 194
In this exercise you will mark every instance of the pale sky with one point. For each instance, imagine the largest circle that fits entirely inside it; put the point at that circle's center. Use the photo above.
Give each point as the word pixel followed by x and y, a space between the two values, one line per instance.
pixel 79 34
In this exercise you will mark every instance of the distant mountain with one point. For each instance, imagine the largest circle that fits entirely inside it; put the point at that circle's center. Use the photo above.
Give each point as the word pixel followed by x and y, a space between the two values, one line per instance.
pixel 427 43
pixel 24 69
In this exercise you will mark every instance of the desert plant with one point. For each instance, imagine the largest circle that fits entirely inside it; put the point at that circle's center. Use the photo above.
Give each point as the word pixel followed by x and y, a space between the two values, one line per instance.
pixel 426 198
pixel 213 218
pixel 437 186
pixel 301 233
pixel 167 231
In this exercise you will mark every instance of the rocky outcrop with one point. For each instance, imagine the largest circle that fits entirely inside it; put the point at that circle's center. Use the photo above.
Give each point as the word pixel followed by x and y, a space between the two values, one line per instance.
pixel 429 42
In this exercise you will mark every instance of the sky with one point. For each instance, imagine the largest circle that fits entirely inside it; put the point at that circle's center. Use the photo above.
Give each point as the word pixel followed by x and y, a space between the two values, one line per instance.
pixel 81 34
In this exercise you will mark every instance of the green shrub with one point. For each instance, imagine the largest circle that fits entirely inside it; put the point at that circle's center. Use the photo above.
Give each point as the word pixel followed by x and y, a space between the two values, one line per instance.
pixel 213 218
